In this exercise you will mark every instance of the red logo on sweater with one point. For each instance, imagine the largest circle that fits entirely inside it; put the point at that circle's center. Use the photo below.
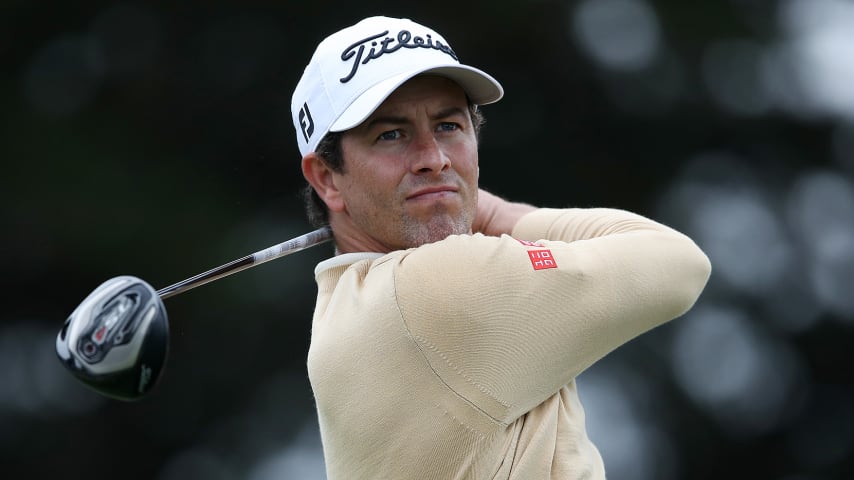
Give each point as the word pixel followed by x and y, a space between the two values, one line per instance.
pixel 542 259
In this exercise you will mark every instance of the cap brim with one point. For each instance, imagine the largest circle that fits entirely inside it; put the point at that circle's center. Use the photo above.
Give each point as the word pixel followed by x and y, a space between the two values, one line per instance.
pixel 480 87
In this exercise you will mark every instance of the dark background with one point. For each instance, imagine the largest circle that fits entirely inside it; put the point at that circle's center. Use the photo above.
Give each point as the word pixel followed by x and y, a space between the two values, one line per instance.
pixel 154 139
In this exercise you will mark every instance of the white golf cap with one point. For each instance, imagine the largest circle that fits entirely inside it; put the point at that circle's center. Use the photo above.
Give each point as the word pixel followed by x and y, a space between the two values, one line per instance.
pixel 355 69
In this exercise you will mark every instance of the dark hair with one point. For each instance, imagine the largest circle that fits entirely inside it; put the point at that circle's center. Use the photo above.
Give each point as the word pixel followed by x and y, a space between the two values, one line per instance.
pixel 329 150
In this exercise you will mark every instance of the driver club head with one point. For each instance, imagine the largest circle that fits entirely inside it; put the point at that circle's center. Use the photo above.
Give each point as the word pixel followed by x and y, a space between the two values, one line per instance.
pixel 117 339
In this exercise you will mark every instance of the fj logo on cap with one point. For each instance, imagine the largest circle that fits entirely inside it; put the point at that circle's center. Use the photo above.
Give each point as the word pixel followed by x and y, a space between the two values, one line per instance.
pixel 387 45
pixel 306 121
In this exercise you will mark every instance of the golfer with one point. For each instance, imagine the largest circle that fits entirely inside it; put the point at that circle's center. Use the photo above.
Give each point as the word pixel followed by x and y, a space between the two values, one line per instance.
pixel 451 324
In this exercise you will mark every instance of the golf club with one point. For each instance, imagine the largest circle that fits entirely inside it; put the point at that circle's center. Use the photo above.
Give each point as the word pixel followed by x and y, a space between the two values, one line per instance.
pixel 116 341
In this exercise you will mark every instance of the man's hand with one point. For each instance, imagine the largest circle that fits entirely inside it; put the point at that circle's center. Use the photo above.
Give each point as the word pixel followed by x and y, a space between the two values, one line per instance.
pixel 496 216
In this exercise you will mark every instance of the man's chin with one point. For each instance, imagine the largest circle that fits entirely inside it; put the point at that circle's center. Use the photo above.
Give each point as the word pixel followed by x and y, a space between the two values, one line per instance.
pixel 436 228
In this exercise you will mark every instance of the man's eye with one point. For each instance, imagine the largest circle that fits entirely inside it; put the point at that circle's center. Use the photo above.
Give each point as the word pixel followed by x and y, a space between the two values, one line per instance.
pixel 389 135
pixel 448 126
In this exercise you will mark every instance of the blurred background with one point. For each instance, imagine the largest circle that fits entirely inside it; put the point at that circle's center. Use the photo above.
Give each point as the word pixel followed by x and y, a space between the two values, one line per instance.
pixel 154 139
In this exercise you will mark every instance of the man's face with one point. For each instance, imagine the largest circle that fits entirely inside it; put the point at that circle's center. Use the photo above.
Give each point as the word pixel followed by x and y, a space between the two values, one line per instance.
pixel 410 169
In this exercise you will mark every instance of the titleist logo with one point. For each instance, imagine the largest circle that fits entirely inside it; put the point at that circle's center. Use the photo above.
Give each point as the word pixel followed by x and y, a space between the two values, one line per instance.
pixel 404 39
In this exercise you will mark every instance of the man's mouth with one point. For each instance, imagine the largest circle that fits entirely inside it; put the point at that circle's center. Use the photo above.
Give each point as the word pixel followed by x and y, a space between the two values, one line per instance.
pixel 432 193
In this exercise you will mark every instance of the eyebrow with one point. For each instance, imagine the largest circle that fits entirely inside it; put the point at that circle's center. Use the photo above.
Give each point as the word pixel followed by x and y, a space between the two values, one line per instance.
pixel 400 120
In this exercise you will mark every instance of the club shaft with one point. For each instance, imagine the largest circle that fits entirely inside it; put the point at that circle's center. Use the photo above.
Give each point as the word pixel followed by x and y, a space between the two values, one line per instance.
pixel 288 247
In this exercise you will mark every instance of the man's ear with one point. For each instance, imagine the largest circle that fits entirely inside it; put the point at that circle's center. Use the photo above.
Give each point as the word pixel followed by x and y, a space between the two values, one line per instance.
pixel 320 177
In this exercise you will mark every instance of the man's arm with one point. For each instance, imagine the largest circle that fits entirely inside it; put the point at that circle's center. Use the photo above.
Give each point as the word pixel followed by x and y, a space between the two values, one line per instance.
pixel 508 332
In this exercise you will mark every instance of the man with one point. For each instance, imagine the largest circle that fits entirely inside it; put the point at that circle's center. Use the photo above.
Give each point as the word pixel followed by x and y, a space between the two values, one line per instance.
pixel 451 324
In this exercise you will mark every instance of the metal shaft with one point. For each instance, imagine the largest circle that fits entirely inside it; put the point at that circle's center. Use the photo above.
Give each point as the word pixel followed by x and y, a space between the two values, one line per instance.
pixel 293 245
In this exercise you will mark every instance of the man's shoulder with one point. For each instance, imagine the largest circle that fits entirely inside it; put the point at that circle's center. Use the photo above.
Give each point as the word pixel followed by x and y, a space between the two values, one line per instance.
pixel 428 256
pixel 344 261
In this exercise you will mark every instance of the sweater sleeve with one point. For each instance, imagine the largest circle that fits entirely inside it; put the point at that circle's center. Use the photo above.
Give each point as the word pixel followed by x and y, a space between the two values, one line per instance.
pixel 506 322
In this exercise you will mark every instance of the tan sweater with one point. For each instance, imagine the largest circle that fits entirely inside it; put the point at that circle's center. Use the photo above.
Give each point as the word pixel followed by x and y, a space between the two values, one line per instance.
pixel 457 359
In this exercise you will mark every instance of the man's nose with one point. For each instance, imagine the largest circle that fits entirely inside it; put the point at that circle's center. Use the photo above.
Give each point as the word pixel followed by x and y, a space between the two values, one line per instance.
pixel 428 156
